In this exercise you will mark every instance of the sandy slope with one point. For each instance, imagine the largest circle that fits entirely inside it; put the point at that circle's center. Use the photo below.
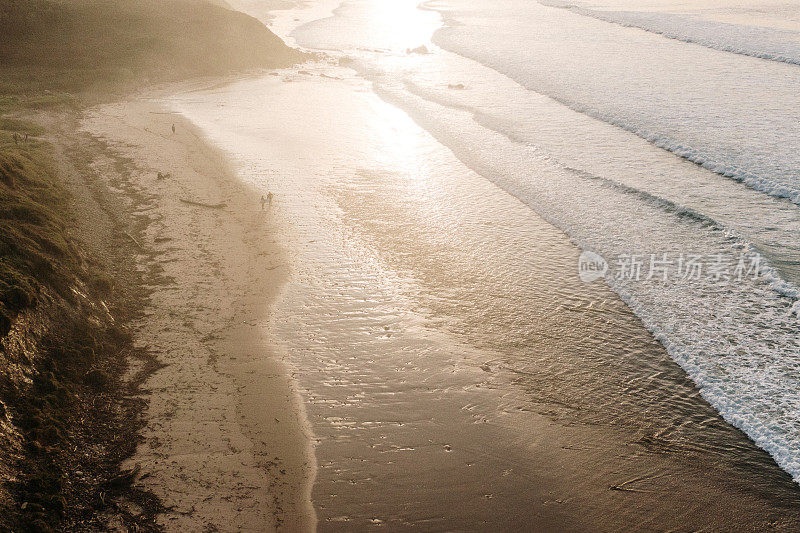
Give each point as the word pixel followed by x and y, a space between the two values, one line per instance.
pixel 227 446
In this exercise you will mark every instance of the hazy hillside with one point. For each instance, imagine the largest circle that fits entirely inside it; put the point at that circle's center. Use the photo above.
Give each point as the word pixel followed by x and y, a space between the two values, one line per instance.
pixel 73 44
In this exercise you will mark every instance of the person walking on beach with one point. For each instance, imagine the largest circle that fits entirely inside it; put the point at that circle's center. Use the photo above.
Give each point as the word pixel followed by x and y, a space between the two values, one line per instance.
pixel 173 128
pixel 267 200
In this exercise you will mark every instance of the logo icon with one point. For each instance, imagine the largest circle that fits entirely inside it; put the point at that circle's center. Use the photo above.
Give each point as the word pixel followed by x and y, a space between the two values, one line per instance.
pixel 591 266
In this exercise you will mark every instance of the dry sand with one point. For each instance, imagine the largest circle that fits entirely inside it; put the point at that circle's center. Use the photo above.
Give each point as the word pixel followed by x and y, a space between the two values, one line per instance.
pixel 227 446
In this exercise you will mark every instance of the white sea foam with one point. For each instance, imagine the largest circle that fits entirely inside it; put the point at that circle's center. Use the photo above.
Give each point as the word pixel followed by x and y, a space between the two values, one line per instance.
pixel 746 360
pixel 734 115
pixel 706 160
pixel 764 43
pixel 736 341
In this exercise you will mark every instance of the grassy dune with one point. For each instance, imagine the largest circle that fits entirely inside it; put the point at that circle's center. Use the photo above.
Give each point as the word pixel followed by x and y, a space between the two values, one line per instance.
pixel 61 355
pixel 33 249
pixel 57 354
pixel 75 45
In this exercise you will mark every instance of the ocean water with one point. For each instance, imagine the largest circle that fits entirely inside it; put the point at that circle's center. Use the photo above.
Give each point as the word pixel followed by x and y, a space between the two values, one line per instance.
pixel 584 121
pixel 767 30
pixel 438 175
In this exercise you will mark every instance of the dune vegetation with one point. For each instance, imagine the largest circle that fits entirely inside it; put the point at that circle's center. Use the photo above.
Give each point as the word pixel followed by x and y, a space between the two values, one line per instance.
pixel 75 45
pixel 63 342
pixel 34 251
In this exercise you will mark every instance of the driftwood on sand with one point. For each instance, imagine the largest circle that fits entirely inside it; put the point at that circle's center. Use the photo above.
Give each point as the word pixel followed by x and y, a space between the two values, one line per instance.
pixel 131 237
pixel 201 204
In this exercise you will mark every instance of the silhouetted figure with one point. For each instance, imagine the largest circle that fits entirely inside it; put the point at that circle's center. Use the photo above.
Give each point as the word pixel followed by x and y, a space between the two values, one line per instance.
pixel 263 201
pixel 269 198
pixel 173 128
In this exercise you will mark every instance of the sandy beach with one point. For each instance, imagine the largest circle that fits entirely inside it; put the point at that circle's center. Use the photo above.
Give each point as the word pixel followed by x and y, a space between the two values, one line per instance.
pixel 523 266
pixel 233 415
pixel 226 445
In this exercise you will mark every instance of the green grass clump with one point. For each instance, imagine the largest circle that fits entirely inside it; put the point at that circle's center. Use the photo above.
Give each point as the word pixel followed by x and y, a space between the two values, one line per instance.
pixel 34 249
pixel 67 397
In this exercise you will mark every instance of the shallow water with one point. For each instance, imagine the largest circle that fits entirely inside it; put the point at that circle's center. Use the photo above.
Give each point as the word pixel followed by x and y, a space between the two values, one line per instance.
pixel 430 207
pixel 582 120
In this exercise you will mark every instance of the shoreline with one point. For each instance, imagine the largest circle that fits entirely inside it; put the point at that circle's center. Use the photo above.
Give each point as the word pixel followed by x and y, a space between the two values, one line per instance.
pixel 409 425
pixel 463 427
pixel 226 440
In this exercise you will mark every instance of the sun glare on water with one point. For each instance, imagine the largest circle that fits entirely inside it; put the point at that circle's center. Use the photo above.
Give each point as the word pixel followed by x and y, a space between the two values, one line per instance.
pixel 399 24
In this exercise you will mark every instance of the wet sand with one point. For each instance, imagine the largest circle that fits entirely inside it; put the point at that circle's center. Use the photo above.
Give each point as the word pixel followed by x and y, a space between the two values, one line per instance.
pixel 413 426
pixel 226 445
